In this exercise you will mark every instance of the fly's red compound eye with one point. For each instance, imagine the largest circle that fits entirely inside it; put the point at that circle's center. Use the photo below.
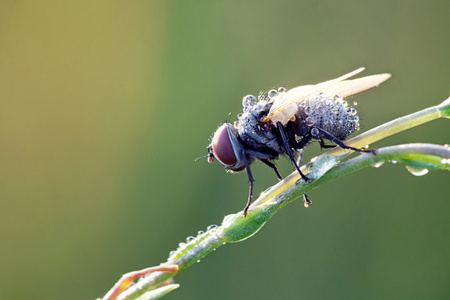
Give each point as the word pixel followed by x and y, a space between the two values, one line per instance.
pixel 223 149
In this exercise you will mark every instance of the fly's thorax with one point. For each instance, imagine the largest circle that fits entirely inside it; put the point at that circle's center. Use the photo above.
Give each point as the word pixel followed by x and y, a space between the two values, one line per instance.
pixel 331 114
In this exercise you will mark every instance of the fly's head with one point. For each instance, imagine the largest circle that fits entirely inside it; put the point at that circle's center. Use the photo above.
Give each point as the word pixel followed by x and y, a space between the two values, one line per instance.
pixel 226 148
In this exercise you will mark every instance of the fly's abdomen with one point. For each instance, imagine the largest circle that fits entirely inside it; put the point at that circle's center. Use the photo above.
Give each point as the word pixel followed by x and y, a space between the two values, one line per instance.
pixel 331 114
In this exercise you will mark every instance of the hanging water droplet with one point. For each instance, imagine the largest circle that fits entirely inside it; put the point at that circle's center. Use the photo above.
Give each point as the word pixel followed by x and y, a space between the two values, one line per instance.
pixel 378 164
pixel 416 171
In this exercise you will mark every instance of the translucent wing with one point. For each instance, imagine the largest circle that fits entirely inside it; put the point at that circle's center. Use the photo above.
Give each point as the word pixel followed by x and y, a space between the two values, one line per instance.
pixel 285 105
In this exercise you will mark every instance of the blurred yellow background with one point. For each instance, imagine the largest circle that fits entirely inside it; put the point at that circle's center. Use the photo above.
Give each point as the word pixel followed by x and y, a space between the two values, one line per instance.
pixel 106 104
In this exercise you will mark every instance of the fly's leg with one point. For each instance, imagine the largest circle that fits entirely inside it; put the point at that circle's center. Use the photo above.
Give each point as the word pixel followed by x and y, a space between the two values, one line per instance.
pixel 268 163
pixel 250 190
pixel 323 145
pixel 289 151
pixel 341 144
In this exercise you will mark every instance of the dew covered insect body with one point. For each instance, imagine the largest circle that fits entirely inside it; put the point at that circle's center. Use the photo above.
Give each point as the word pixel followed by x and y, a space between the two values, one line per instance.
pixel 285 121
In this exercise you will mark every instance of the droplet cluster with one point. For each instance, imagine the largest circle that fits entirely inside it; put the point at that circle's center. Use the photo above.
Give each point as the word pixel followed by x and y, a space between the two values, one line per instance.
pixel 331 114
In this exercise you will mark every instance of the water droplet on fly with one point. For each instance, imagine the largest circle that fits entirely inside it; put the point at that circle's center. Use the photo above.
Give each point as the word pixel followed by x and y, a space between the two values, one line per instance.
pixel 309 121
pixel 308 110
pixel 249 101
pixel 272 93
pixel 320 109
pixel 416 171
pixel 315 132
pixel 337 98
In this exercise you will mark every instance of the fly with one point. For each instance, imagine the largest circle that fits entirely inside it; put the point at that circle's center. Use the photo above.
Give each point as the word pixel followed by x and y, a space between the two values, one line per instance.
pixel 286 121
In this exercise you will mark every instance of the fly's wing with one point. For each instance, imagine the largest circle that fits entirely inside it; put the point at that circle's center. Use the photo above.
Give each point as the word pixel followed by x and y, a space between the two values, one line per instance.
pixel 285 107
pixel 351 87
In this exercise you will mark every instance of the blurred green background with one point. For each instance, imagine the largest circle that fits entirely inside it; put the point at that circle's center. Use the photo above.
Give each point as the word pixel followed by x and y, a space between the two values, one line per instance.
pixel 106 104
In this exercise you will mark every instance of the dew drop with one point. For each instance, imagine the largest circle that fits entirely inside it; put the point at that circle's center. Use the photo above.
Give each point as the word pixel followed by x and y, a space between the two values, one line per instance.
pixel 211 227
pixel 200 232
pixel 337 98
pixel 378 164
pixel 353 110
pixel 315 132
pixel 393 161
pixel 281 89
pixel 262 98
pixel 328 123
pixel 344 103
pixel 180 245
pixel 309 121
pixel 335 110
pixel 189 238
pixel 355 103
pixel 320 109
pixel 272 93
pixel 249 101
pixel 308 110
pixel 416 171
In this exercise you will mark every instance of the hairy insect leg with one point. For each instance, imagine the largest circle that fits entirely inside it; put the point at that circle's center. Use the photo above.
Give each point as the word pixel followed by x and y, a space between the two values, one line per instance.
pixel 341 144
pixel 268 163
pixel 289 151
pixel 299 155
pixel 250 190
pixel 323 145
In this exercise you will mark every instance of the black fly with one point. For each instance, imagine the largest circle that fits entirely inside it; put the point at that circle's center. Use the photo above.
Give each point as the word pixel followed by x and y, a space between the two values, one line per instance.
pixel 284 122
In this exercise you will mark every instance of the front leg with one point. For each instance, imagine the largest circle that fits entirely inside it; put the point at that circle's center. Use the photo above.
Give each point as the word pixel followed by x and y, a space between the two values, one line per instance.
pixel 251 180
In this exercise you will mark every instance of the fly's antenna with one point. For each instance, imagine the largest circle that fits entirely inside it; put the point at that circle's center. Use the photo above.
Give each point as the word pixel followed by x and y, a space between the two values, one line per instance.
pixel 201 157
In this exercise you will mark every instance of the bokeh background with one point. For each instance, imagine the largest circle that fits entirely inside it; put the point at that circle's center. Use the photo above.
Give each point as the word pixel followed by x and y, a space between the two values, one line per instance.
pixel 104 105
